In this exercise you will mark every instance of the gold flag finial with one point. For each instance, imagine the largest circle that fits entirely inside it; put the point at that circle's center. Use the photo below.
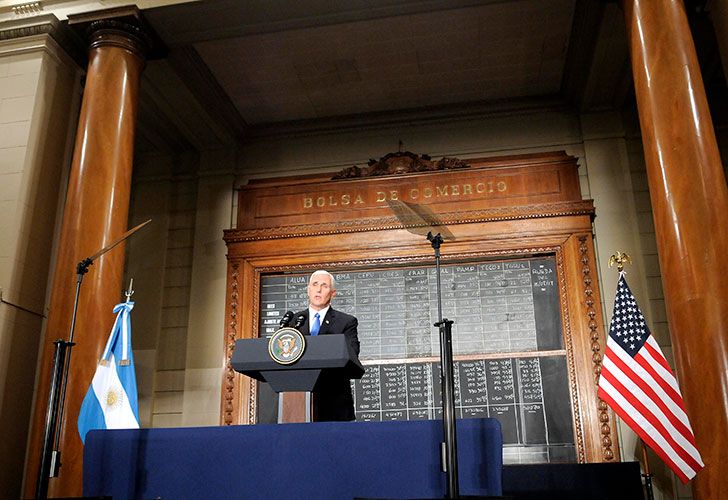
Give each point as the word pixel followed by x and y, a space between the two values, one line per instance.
pixel 619 259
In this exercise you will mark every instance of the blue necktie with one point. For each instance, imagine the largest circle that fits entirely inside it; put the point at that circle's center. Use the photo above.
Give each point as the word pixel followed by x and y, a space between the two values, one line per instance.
pixel 316 324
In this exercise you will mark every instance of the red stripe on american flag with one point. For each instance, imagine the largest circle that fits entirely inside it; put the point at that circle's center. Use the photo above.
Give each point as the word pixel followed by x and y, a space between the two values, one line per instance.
pixel 643 434
pixel 644 384
pixel 654 420
pixel 658 357
pixel 657 354
pixel 676 398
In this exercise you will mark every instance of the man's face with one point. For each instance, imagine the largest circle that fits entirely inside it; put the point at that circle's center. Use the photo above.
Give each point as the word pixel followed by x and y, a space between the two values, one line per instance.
pixel 319 291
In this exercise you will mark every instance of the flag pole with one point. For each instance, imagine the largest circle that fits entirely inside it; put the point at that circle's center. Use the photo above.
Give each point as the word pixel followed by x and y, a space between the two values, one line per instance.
pixel 620 259
pixel 647 474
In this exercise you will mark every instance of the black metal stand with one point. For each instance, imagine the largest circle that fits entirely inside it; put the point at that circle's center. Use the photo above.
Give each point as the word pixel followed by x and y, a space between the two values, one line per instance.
pixel 447 379
pixel 50 461
pixel 648 486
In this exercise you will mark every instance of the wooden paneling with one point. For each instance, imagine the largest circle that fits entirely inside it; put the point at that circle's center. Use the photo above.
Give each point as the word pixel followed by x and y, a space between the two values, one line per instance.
pixel 535 207
pixel 487 190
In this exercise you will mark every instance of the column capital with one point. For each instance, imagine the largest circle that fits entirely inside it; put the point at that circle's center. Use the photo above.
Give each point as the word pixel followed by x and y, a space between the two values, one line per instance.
pixel 123 27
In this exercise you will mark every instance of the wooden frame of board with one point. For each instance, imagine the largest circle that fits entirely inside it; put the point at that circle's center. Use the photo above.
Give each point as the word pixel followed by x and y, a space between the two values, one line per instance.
pixel 378 216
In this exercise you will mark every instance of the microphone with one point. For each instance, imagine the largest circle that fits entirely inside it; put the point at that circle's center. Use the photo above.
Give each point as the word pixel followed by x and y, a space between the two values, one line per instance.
pixel 299 322
pixel 286 319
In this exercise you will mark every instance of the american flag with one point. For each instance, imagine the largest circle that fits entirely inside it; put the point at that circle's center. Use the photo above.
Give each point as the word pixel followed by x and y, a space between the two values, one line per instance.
pixel 639 385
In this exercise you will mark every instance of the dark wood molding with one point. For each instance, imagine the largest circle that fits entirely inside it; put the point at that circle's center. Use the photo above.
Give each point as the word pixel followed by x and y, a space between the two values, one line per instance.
pixel 232 327
pixel 606 423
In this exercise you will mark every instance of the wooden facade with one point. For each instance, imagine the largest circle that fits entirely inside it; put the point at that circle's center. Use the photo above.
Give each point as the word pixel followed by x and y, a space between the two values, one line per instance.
pixel 375 217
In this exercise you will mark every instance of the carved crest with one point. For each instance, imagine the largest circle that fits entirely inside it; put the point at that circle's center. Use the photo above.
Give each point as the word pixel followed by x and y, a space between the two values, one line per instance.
pixel 402 162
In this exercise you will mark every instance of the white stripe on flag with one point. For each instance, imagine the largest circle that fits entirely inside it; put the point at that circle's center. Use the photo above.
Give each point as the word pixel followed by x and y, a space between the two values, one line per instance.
pixel 665 374
pixel 110 341
pixel 125 335
pixel 112 397
pixel 647 427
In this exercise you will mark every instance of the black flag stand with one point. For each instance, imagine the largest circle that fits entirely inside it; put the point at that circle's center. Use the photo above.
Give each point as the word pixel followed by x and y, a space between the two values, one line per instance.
pixel 50 460
pixel 449 450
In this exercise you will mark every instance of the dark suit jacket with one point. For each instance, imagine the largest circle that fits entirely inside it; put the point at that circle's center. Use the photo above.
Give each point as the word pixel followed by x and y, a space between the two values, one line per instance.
pixel 332 399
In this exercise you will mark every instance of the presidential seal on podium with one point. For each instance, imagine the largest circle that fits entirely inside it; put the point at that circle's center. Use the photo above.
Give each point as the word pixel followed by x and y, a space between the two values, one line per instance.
pixel 286 346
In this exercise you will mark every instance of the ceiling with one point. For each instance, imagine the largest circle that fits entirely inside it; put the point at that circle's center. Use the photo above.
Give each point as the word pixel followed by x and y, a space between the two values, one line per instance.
pixel 237 70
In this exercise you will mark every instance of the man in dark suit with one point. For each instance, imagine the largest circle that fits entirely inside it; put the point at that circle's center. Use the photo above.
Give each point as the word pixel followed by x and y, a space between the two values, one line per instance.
pixel 332 399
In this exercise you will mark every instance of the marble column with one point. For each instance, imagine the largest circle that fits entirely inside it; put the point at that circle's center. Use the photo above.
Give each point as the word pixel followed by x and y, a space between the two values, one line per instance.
pixel 689 203
pixel 95 214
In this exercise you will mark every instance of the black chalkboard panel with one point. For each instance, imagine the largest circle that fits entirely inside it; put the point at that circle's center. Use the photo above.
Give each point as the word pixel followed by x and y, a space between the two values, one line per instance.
pixel 499 307
pixel 528 395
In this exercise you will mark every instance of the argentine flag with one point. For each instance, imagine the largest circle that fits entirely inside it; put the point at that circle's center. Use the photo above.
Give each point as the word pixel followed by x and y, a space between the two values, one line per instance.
pixel 111 401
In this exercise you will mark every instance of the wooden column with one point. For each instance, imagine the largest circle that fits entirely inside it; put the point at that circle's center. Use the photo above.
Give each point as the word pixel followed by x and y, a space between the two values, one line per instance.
pixel 690 203
pixel 95 214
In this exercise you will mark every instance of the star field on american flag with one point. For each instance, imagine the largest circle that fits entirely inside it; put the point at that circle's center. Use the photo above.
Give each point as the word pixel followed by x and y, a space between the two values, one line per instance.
pixel 628 327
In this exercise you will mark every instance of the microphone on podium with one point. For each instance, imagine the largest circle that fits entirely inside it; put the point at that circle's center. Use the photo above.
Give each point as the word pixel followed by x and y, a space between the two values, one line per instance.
pixel 286 319
pixel 299 321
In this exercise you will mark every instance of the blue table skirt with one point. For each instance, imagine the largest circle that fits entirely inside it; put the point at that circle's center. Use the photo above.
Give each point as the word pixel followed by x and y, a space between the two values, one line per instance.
pixel 308 461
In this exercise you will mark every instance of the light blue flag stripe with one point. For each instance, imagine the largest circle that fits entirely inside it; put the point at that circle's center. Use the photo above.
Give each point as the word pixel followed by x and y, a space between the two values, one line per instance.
pixel 91 415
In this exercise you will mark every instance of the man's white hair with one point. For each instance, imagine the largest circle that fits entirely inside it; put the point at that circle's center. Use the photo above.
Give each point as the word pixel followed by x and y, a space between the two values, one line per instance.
pixel 321 271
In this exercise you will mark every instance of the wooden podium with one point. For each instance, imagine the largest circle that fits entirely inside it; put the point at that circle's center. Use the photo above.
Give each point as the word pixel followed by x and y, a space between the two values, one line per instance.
pixel 324 354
